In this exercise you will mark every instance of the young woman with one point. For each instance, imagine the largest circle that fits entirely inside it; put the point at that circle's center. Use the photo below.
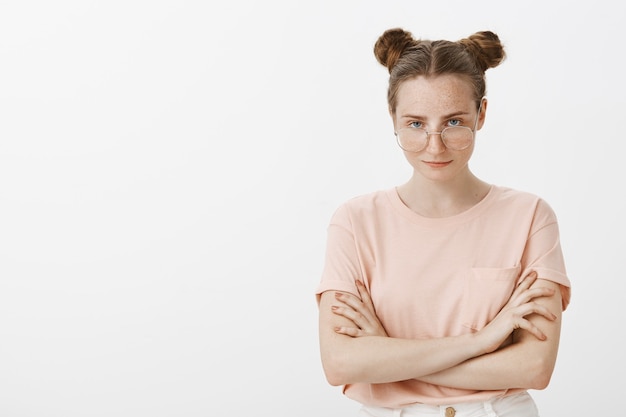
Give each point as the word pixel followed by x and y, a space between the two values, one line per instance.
pixel 443 295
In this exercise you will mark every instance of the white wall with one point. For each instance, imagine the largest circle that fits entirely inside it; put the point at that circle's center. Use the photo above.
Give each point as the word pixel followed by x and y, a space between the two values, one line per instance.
pixel 168 168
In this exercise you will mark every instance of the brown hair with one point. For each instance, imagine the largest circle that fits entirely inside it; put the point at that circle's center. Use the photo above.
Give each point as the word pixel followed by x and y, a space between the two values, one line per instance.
pixel 406 58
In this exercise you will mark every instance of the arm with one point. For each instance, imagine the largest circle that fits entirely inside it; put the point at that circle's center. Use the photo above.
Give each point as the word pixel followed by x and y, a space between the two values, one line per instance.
pixel 379 359
pixel 526 363
pixel 348 358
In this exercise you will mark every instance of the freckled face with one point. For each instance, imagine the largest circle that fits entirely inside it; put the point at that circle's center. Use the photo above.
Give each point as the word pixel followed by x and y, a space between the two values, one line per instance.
pixel 434 103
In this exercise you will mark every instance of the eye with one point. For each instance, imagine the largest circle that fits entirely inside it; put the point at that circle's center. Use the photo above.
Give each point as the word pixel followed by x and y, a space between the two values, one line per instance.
pixel 416 125
pixel 454 122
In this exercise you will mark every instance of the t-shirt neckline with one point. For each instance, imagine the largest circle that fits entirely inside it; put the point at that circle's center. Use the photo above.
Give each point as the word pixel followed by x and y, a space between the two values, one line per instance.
pixel 462 217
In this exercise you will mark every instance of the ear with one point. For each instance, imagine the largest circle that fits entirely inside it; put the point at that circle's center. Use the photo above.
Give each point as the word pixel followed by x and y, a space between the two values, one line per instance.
pixel 483 113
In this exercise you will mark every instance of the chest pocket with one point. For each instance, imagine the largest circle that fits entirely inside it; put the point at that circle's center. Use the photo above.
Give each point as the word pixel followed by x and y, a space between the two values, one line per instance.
pixel 487 291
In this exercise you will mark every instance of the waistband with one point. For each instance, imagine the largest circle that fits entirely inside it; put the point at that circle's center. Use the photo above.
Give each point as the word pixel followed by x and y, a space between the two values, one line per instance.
pixel 479 408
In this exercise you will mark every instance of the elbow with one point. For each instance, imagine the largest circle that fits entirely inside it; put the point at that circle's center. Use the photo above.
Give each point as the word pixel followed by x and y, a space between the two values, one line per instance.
pixel 540 375
pixel 335 376
pixel 540 381
pixel 336 370
pixel 334 380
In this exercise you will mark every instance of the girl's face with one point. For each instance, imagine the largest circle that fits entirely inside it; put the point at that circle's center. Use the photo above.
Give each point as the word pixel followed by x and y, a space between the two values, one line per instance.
pixel 434 103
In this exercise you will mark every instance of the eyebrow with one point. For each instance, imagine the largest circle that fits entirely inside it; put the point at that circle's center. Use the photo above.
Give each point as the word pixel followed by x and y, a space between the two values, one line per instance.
pixel 447 116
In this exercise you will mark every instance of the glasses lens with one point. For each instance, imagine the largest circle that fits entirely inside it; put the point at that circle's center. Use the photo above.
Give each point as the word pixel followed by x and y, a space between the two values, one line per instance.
pixel 412 140
pixel 457 137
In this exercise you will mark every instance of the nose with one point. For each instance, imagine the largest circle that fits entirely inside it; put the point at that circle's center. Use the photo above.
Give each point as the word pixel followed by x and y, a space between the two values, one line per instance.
pixel 436 145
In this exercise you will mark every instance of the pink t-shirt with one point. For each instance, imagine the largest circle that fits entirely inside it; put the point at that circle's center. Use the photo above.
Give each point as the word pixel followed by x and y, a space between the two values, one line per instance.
pixel 436 277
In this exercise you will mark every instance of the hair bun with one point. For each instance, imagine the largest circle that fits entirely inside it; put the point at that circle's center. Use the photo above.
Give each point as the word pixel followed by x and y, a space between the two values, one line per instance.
pixel 390 45
pixel 486 48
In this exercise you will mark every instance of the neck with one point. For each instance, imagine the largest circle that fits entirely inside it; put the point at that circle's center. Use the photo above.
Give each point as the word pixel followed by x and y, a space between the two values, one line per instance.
pixel 442 199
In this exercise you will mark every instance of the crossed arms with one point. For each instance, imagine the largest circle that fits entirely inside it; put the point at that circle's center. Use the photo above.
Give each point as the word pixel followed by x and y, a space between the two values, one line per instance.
pixel 517 349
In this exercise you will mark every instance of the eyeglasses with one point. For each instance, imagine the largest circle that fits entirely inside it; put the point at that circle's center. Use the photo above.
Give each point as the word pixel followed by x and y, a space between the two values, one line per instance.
pixel 415 139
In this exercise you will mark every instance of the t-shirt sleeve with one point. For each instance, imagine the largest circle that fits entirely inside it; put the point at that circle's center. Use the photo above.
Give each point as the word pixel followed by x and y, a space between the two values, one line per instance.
pixel 341 266
pixel 543 252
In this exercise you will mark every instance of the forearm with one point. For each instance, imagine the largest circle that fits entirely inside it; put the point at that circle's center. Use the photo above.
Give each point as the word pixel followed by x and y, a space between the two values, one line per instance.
pixel 459 361
pixel 385 359
pixel 527 363
pixel 379 359
pixel 503 369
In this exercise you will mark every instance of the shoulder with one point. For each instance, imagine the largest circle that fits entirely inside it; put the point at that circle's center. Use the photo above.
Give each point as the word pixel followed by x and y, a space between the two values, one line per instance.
pixel 362 206
pixel 519 200
pixel 367 201
pixel 513 195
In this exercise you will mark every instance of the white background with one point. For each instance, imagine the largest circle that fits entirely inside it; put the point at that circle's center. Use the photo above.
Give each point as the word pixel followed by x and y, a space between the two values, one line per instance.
pixel 168 168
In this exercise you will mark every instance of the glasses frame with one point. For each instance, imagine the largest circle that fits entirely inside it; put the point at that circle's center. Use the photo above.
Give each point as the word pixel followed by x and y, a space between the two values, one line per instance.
pixel 428 134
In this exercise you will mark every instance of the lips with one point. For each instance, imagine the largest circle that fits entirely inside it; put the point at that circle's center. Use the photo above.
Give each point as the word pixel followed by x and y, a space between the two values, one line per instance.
pixel 437 164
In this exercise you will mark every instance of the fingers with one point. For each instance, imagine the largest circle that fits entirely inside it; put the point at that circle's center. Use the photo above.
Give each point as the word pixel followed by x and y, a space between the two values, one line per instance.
pixel 516 314
pixel 349 300
pixel 351 314
pixel 523 286
pixel 362 306
pixel 524 293
pixel 532 329
pixel 521 322
pixel 355 302
pixel 349 331
pixel 360 323
pixel 360 312
pixel 533 293
pixel 526 282
pixel 365 295
pixel 534 308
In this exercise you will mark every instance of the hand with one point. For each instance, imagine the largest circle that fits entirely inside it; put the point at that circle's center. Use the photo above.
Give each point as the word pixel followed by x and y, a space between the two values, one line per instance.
pixel 514 314
pixel 361 312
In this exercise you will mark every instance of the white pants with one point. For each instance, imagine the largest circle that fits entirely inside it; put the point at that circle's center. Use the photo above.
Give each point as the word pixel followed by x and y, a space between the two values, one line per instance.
pixel 517 405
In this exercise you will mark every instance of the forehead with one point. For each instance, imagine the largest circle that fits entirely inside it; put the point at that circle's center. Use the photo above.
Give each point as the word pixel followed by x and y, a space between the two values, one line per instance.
pixel 435 93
